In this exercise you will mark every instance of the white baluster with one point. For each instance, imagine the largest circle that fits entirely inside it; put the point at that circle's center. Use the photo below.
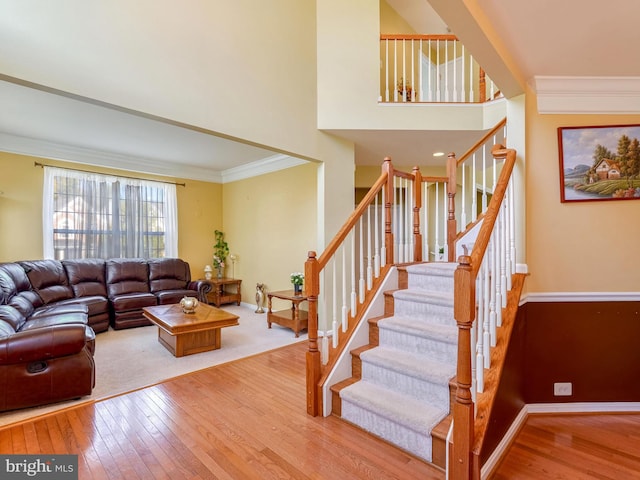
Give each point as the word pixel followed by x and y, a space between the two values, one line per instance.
pixel 395 70
pixel 386 70
pixel 455 75
pixel 512 228
pixel 369 252
pixel 463 90
pixel 486 326
pixel 474 190
pixel 498 256
pixel 425 221
pixel 353 275
pixel 413 76
pixel 404 71
pixel 474 363
pixel 447 87
pixel 463 213
pixel 504 254
pixel 492 292
pixel 445 215
pixel 430 89
pixel 383 239
pixel 361 259
pixel 325 349
pixel 421 91
pixel 376 254
pixel 484 178
pixel 437 223
pixel 345 301
pixel 471 82
pixel 438 99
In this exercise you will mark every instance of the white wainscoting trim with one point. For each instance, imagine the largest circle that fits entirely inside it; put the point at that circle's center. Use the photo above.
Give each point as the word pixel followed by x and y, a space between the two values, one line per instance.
pixel 581 297
pixel 542 408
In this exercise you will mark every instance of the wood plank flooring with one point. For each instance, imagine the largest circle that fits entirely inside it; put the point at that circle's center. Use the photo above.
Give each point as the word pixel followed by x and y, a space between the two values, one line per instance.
pixel 247 420
pixel 242 420
pixel 576 447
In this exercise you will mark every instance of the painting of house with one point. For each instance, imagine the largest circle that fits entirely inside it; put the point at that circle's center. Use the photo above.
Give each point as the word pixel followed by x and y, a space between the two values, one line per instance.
pixel 607 169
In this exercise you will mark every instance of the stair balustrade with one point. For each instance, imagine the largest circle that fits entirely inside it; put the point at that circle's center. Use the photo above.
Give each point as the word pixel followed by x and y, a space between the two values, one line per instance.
pixel 397 222
pixel 431 68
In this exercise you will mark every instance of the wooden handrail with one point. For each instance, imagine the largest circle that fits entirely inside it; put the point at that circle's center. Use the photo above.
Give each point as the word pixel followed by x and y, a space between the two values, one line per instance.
pixel 462 465
pixel 397 36
pixel 482 141
pixel 351 221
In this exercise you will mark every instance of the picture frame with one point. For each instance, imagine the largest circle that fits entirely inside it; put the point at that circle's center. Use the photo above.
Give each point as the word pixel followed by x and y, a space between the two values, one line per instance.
pixel 599 163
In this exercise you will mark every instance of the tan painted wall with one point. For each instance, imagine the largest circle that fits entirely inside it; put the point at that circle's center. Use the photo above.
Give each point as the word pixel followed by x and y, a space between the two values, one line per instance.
pixel 574 247
pixel 199 211
pixel 270 223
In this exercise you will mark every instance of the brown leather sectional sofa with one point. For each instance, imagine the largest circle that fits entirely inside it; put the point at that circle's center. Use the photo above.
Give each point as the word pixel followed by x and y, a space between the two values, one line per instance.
pixel 50 311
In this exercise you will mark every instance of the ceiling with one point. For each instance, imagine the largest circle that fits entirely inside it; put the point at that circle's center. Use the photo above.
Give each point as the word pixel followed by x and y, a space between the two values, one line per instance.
pixel 572 38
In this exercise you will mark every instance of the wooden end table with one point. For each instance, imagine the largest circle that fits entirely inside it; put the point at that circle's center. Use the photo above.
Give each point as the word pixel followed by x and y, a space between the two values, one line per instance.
pixel 187 333
pixel 293 318
pixel 221 294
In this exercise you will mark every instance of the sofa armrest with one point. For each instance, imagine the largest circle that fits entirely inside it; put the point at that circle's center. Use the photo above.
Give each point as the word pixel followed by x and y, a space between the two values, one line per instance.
pixel 42 344
pixel 202 287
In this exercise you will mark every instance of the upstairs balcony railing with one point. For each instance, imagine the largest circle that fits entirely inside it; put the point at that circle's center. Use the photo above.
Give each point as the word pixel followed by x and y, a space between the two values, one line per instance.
pixel 431 68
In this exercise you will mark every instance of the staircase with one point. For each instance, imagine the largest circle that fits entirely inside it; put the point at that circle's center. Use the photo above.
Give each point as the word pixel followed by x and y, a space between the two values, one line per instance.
pixel 400 384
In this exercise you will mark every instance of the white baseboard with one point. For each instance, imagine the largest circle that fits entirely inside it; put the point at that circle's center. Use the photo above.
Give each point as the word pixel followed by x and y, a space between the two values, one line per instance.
pixel 542 408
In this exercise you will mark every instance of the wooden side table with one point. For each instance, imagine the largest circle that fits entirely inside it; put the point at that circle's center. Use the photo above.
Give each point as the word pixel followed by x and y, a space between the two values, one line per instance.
pixel 293 318
pixel 220 292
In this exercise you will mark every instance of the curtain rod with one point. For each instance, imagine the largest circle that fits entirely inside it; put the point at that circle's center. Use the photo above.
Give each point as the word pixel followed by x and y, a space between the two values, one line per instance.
pixel 37 164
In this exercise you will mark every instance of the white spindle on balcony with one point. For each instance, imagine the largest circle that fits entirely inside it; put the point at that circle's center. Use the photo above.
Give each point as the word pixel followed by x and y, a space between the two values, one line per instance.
pixel 431 68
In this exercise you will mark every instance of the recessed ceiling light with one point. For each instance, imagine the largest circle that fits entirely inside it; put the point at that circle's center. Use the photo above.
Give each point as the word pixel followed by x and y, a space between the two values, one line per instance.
pixel 438 154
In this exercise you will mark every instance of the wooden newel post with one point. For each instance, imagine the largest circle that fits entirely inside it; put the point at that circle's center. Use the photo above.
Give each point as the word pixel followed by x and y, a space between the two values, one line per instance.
pixel 417 205
pixel 389 194
pixel 312 290
pixel 452 224
pixel 463 408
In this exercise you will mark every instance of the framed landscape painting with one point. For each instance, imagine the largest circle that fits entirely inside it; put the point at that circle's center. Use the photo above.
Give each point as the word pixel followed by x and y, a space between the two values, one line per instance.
pixel 599 163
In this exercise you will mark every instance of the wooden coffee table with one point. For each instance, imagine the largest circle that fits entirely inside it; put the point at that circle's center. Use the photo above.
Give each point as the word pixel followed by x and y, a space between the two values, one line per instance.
pixel 187 333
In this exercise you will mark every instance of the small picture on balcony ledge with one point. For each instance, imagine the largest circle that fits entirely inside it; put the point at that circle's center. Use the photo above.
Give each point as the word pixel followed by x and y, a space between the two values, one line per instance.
pixel 599 163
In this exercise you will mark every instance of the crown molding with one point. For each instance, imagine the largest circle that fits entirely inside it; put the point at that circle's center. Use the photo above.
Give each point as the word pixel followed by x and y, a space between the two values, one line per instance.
pixel 261 167
pixel 584 95
pixel 88 156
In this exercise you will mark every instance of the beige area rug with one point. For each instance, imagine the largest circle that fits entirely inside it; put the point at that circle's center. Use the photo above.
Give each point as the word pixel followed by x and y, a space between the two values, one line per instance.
pixel 130 359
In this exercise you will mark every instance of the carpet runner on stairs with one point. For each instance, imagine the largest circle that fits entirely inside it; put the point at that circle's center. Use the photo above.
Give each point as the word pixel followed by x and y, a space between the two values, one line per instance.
pixel 404 390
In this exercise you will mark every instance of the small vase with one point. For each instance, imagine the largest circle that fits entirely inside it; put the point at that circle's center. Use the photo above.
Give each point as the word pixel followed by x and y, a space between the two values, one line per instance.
pixel 219 272
pixel 297 289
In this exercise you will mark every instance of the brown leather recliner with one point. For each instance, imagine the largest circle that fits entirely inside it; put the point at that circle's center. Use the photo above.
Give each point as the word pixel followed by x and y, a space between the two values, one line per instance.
pixel 46 355
pixel 170 281
pixel 128 290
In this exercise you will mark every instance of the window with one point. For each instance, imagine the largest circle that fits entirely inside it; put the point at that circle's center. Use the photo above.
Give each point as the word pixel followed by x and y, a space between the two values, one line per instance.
pixel 89 215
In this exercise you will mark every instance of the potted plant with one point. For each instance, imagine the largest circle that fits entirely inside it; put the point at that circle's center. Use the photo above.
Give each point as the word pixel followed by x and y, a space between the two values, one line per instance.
pixel 297 278
pixel 220 252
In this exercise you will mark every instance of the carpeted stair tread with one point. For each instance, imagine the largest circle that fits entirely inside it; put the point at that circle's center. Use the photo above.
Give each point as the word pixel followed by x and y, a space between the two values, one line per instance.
pixel 442 269
pixel 409 326
pixel 444 299
pixel 406 363
pixel 401 409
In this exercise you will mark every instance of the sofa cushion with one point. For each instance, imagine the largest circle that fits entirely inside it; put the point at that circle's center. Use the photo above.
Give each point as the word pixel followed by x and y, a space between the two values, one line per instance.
pixel 49 279
pixel 12 317
pixel 18 285
pixel 126 275
pixel 168 274
pixel 133 301
pixel 86 276
pixel 52 320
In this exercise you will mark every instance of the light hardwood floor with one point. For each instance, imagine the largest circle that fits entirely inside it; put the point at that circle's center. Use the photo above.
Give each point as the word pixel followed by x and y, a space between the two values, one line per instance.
pixel 247 420
pixel 242 420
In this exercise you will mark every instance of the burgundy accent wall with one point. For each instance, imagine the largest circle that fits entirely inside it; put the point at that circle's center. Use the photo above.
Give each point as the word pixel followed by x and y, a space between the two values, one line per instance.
pixel 593 345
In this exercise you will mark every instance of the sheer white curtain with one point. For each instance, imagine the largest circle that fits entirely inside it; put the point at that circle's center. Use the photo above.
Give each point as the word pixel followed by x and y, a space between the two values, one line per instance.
pixel 89 215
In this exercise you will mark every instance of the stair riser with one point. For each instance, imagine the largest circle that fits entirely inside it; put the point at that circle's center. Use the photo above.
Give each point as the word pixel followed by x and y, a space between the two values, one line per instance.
pixel 431 283
pixel 416 443
pixel 435 349
pixel 425 312
pixel 420 389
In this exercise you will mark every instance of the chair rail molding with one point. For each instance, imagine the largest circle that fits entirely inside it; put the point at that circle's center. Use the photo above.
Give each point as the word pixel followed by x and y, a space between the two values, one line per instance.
pixel 583 95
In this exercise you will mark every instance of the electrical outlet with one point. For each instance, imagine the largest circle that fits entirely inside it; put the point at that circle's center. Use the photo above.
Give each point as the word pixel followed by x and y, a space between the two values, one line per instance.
pixel 563 389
